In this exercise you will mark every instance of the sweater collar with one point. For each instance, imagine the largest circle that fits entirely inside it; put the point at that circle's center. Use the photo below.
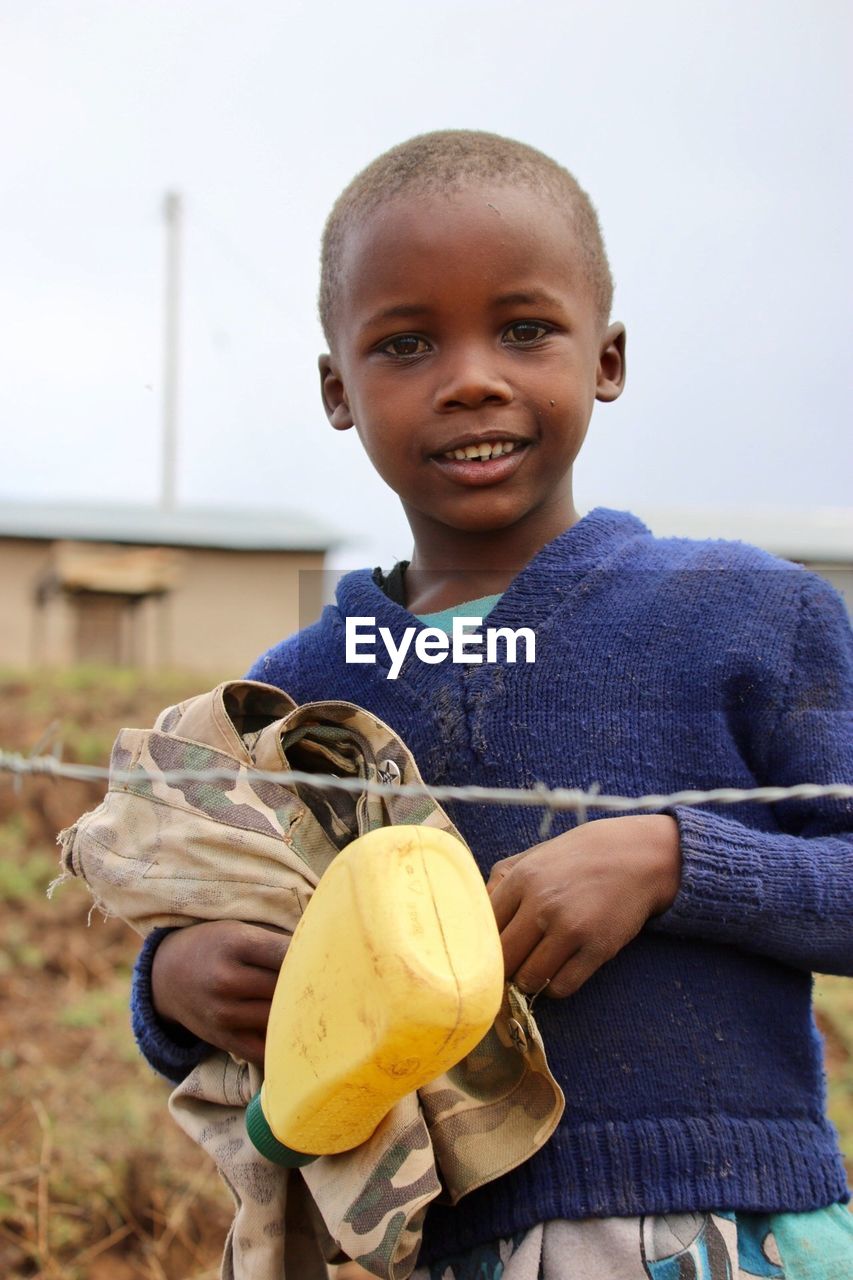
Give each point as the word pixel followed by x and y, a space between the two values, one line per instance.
pixel 534 593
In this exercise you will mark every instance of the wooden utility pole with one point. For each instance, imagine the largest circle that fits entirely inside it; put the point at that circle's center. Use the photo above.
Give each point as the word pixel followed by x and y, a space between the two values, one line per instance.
pixel 172 214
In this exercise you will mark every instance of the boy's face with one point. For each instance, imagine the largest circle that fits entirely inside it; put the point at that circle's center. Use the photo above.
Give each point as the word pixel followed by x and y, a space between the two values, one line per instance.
pixel 466 322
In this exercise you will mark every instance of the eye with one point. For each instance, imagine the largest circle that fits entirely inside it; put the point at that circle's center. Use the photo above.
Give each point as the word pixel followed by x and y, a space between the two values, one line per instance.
pixel 405 345
pixel 524 332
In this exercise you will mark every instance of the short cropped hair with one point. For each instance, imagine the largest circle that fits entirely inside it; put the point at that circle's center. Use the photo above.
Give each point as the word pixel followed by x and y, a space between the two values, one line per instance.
pixel 449 160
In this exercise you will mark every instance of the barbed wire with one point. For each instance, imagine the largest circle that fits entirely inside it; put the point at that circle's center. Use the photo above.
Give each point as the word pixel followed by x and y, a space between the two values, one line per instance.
pixel 554 799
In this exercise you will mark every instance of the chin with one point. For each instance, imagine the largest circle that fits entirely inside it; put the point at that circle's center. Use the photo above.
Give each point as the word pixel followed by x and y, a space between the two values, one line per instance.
pixel 492 516
pixel 491 522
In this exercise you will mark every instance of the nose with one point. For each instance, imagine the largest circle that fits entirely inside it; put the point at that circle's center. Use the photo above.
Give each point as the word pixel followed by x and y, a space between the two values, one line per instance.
pixel 469 380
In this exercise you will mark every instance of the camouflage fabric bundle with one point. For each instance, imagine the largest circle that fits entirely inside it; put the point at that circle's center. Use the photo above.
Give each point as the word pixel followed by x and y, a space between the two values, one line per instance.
pixel 171 853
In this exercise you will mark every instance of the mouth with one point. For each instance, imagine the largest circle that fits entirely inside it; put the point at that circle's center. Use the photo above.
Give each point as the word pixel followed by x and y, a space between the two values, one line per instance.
pixel 481 462
pixel 483 450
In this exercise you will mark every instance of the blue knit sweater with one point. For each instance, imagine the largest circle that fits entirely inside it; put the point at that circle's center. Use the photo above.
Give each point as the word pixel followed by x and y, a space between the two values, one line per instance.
pixel 690 1062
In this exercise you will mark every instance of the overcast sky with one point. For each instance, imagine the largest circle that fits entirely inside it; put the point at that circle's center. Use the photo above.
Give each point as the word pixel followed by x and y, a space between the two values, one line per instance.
pixel 714 138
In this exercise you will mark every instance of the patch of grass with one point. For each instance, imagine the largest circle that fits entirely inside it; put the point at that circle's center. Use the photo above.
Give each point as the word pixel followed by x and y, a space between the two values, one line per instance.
pixel 92 1008
pixel 20 947
pixel 96 1180
pixel 24 873
pixel 91 746
pixel 105 681
pixel 12 835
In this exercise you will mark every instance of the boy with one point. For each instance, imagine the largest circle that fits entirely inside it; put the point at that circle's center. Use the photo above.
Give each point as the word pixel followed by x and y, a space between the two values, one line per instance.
pixel 465 297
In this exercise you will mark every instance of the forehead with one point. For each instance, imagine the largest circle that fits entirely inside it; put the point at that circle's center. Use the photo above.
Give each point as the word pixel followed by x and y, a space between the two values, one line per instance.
pixel 447 251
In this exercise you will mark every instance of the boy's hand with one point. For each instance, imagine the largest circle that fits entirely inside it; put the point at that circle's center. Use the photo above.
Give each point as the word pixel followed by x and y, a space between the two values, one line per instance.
pixel 566 906
pixel 217 980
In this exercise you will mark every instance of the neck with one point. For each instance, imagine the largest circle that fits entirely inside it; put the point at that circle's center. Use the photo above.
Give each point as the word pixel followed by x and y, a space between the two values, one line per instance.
pixel 450 566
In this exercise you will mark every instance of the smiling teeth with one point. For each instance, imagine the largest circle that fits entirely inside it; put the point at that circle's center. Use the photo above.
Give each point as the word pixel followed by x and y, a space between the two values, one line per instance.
pixel 480 452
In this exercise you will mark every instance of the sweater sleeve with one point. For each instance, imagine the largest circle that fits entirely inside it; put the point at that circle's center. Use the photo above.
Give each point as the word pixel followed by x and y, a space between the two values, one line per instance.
pixel 786 893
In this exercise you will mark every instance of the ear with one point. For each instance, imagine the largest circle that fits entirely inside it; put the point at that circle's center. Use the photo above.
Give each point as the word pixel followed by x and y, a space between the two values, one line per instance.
pixel 611 364
pixel 334 394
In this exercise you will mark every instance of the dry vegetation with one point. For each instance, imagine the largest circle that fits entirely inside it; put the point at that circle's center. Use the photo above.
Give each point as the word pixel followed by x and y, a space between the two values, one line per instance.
pixel 96 1182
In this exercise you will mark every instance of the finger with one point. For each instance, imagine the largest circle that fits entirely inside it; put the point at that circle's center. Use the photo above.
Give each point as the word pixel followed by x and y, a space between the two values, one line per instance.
pixel 250 982
pixel 250 1046
pixel 252 1015
pixel 543 963
pixel 576 971
pixel 501 870
pixel 519 939
pixel 505 896
pixel 230 983
pixel 261 947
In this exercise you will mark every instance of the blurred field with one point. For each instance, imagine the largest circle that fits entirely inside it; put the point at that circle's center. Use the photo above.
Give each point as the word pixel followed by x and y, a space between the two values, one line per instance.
pixel 96 1182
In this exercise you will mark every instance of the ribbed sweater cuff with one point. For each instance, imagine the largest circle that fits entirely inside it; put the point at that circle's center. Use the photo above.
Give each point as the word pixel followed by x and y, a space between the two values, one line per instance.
pixel 173 1052
pixel 771 893
pixel 720 872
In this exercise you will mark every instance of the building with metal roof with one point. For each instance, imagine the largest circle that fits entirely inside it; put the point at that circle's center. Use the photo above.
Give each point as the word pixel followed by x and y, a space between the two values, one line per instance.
pixel 126 584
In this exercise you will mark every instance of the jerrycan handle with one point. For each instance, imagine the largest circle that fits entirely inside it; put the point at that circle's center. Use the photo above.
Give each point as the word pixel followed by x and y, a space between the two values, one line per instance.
pixel 267 1143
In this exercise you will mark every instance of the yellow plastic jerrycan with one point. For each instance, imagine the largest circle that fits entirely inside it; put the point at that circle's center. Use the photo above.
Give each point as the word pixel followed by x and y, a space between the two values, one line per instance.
pixel 393 975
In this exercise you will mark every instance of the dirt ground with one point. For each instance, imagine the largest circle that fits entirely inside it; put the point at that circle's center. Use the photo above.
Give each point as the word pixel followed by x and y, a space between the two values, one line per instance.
pixel 96 1182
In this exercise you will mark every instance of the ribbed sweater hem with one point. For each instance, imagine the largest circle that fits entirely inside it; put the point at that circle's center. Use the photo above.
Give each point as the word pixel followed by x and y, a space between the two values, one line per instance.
pixel 650 1166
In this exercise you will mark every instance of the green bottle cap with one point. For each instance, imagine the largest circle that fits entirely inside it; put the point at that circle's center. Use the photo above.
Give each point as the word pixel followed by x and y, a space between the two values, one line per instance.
pixel 267 1143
